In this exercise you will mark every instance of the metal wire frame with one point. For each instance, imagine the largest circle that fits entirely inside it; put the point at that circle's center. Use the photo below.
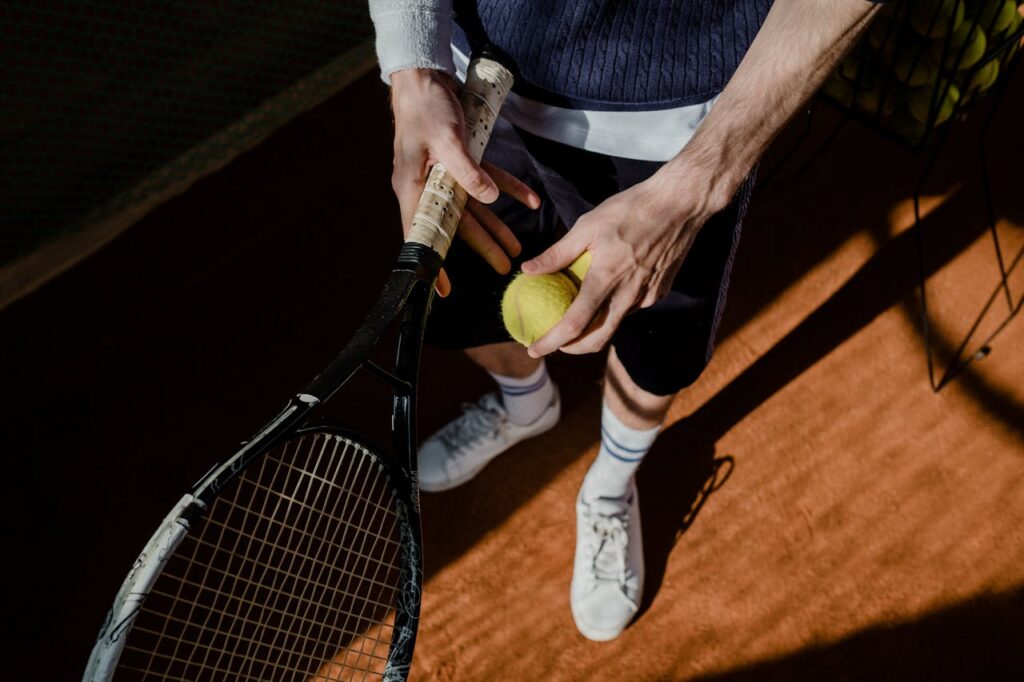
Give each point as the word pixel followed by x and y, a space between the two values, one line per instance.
pixel 932 144
pixel 960 360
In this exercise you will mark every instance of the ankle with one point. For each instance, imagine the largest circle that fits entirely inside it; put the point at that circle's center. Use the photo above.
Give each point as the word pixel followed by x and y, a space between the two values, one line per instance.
pixel 526 398
pixel 622 450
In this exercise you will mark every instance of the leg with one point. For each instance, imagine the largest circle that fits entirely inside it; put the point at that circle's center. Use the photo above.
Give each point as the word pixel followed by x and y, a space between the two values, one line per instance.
pixel 656 352
pixel 470 319
pixel 526 389
pixel 528 405
pixel 608 572
pixel 634 407
pixel 508 359
pixel 630 420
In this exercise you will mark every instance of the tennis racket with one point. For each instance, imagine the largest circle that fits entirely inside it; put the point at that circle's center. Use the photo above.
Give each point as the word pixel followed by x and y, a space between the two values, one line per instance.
pixel 299 557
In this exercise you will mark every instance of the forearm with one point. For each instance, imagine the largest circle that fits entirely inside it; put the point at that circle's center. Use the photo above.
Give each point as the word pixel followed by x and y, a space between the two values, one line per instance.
pixel 797 47
pixel 413 34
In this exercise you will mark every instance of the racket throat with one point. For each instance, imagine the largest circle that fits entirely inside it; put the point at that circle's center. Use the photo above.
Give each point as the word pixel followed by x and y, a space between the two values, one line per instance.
pixel 403 408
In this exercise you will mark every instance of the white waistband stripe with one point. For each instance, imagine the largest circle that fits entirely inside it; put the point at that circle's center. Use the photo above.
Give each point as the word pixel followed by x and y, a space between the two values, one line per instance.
pixel 643 135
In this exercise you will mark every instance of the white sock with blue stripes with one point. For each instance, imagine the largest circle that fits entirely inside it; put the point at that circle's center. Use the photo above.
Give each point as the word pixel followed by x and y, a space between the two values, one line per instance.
pixel 622 450
pixel 526 398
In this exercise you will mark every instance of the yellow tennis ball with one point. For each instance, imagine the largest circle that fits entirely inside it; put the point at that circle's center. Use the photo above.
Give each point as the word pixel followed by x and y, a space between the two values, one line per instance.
pixel 849 69
pixel 838 89
pixel 915 70
pixel 580 266
pixel 869 99
pixel 937 18
pixel 984 78
pixel 919 101
pixel 882 34
pixel 1015 22
pixel 871 102
pixel 533 304
pixel 997 15
pixel 976 43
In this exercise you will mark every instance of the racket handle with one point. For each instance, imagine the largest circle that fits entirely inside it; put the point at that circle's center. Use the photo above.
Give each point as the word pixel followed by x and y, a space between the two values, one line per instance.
pixel 440 209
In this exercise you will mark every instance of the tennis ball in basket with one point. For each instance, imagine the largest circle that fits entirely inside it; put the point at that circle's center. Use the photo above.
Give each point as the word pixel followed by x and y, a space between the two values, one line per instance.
pixel 919 101
pixel 947 15
pixel 976 43
pixel 1014 22
pixel 870 101
pixel 849 69
pixel 838 89
pixel 533 304
pixel 997 16
pixel 915 70
pixel 839 85
pixel 983 78
pixel 882 33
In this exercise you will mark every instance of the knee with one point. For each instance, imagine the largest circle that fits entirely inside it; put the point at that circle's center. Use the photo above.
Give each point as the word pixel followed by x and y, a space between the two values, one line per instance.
pixel 667 380
pixel 665 366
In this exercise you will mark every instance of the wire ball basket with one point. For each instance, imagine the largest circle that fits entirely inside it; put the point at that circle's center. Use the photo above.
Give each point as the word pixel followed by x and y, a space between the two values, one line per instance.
pixel 924 63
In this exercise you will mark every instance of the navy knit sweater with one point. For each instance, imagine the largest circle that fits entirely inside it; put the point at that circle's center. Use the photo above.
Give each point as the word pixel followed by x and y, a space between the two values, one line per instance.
pixel 617 55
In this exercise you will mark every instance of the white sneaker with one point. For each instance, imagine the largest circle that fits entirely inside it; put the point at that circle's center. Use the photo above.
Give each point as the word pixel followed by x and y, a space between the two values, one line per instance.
pixel 462 448
pixel 608 572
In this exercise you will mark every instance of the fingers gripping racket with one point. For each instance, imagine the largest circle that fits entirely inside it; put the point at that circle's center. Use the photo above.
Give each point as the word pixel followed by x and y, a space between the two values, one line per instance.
pixel 298 558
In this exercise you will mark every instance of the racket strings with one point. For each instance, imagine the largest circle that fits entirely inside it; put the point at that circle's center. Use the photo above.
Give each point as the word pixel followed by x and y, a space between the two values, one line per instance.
pixel 252 657
pixel 292 575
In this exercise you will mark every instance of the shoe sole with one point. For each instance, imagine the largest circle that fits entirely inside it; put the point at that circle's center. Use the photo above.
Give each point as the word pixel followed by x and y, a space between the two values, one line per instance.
pixel 596 635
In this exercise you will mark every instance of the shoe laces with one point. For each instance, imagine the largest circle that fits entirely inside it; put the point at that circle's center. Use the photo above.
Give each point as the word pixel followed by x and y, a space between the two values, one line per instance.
pixel 607 546
pixel 479 420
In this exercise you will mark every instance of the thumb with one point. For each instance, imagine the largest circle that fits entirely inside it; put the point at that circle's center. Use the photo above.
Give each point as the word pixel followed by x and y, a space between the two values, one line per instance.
pixel 559 255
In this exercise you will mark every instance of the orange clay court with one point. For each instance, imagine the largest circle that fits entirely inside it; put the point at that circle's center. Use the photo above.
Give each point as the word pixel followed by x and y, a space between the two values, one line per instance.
pixel 813 511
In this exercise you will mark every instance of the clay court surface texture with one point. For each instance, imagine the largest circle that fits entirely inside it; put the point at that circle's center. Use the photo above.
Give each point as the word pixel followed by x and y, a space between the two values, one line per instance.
pixel 813 510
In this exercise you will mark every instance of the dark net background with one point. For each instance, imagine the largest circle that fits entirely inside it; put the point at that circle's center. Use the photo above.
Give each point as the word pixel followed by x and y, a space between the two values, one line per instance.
pixel 106 103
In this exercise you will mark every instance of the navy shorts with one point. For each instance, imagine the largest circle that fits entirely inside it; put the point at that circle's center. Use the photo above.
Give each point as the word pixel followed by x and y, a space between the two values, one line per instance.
pixel 664 347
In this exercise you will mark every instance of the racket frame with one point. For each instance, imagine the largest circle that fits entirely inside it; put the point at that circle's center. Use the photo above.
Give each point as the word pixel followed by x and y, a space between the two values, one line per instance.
pixel 407 294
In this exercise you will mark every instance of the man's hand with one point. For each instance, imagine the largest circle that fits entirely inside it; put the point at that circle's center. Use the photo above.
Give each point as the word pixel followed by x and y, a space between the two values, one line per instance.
pixel 638 238
pixel 429 129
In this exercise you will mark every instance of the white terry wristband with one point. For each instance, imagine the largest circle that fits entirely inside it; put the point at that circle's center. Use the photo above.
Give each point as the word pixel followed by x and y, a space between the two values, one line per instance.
pixel 412 35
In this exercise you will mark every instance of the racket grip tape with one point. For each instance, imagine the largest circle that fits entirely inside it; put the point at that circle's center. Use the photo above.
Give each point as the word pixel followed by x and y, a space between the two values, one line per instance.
pixel 440 208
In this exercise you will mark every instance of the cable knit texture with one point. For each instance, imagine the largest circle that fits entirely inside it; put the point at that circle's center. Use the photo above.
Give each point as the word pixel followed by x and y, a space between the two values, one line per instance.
pixel 615 55
pixel 595 55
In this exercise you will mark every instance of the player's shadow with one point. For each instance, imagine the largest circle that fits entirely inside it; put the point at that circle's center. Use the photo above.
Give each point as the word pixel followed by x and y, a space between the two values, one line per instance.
pixel 979 639
pixel 683 468
pixel 677 479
